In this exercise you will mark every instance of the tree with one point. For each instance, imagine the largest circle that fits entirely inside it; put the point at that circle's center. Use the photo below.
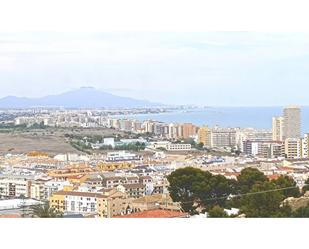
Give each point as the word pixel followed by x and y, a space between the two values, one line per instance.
pixel 184 184
pixel 248 177
pixel 45 211
pixel 200 146
pixel 217 212
pixel 264 201
pixel 216 191
pixel 287 182
pixel 195 188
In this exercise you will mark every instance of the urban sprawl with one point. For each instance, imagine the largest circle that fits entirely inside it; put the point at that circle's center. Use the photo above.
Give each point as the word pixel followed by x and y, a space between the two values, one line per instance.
pixel 125 172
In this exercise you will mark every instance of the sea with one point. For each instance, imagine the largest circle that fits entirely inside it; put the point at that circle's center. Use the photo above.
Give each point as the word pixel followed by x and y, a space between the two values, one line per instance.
pixel 243 117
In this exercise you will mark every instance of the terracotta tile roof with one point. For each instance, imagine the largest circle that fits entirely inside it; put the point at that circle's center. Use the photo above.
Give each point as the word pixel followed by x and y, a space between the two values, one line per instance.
pixel 273 177
pixel 76 177
pixel 157 213
pixel 10 216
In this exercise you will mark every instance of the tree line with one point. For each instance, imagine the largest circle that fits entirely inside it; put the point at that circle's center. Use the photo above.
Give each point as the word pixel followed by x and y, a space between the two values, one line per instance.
pixel 252 193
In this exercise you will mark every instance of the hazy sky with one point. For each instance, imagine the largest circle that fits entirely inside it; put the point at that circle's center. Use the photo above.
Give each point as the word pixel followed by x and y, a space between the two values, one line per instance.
pixel 212 68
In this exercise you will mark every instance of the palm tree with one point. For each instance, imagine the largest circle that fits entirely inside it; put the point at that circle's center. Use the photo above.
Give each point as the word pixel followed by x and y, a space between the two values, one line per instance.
pixel 45 211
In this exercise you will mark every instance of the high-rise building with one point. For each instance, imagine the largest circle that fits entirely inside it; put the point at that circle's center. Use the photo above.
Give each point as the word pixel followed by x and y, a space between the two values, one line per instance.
pixel 204 136
pixel 188 130
pixel 173 131
pixel 148 126
pixel 223 137
pixel 292 122
pixel 277 128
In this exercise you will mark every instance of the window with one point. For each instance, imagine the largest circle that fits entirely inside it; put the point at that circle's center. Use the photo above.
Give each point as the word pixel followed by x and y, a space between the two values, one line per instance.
pixel 72 205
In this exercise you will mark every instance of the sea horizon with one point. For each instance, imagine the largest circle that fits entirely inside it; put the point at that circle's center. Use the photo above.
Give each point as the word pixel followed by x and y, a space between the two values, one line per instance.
pixel 243 117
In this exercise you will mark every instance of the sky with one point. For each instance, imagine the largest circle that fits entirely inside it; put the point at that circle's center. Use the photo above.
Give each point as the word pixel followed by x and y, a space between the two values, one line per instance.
pixel 201 68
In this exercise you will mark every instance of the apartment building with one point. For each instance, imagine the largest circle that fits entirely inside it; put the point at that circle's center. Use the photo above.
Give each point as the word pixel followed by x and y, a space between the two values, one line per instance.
pixel 113 203
pixel 75 202
pixel 174 131
pixel 204 136
pixel 104 204
pixel 39 190
pixel 135 190
pixel 264 149
pixel 188 130
pixel 15 187
pixel 277 128
pixel 223 137
pixel 292 122
pixel 114 181
pixel 57 201
pixel 293 148
pixel 305 146
pixel 125 125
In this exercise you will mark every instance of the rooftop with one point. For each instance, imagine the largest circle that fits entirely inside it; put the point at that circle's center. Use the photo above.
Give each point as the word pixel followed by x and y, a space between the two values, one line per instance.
pixel 157 213
pixel 83 194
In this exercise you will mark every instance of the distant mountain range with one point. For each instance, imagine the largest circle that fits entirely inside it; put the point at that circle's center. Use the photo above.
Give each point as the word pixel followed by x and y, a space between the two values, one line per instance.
pixel 85 97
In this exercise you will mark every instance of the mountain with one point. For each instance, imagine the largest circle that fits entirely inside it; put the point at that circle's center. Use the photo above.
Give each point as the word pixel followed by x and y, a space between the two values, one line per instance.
pixel 85 97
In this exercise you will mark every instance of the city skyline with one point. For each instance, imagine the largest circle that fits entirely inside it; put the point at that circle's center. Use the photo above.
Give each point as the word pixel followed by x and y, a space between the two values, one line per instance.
pixel 216 68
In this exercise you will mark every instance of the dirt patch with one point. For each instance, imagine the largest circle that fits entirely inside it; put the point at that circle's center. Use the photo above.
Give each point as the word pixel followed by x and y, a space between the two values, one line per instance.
pixel 51 140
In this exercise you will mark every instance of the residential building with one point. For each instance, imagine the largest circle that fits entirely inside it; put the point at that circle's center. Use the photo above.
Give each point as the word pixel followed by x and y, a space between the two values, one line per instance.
pixel 188 130
pixel 75 202
pixel 135 190
pixel 38 190
pixel 223 137
pixel 204 136
pixel 293 148
pixel 305 146
pixel 292 122
pixel 264 149
pixel 277 128
pixel 112 203
pixel 15 187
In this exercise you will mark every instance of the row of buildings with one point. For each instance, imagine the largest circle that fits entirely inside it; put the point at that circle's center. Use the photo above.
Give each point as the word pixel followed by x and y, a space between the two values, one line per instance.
pixel 230 137
pixel 82 187
pixel 296 148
